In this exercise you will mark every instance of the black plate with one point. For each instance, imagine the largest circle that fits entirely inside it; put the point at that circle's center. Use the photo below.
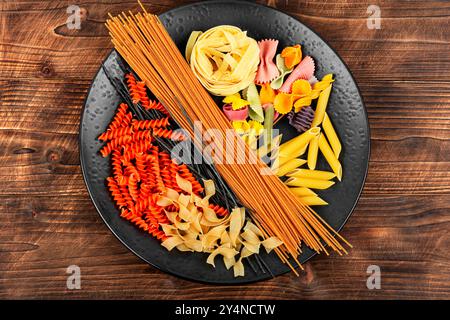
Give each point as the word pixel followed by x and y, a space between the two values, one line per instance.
pixel 346 110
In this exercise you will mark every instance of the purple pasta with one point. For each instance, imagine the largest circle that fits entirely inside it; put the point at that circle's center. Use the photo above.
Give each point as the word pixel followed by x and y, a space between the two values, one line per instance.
pixel 301 120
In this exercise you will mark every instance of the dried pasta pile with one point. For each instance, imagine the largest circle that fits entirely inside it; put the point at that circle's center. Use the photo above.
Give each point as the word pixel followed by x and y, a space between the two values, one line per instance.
pixel 164 198
pixel 226 62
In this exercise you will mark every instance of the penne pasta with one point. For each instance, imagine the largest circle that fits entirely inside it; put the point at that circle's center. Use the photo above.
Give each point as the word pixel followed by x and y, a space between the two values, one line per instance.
pixel 330 157
pixel 294 147
pixel 309 183
pixel 302 191
pixel 264 150
pixel 313 201
pixel 283 160
pixel 289 166
pixel 313 150
pixel 311 174
pixel 321 106
pixel 331 135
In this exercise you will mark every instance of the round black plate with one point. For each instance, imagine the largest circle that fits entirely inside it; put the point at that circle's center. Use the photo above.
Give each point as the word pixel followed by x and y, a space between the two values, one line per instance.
pixel 346 110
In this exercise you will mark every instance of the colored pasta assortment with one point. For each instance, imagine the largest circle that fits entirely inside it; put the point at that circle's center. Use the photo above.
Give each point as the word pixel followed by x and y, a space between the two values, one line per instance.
pixel 227 209
pixel 287 84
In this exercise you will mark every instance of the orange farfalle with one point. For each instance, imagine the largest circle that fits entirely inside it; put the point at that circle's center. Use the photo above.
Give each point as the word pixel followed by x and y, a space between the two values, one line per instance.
pixel 267 94
pixel 301 88
pixel 292 56
pixel 284 102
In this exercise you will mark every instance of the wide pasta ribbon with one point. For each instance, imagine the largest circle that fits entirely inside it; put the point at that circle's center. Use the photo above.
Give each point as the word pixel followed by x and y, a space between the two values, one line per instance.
pixel 267 70
pixel 224 59
pixel 196 228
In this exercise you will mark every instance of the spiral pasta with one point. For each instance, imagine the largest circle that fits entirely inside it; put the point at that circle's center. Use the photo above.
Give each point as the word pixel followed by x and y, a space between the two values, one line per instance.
pixel 133 187
pixel 140 172
pixel 113 144
pixel 120 117
pixel 169 134
pixel 149 124
pixel 116 133
pixel 142 135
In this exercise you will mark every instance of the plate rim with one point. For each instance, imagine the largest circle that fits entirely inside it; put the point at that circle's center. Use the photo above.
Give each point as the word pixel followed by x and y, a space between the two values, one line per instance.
pixel 83 164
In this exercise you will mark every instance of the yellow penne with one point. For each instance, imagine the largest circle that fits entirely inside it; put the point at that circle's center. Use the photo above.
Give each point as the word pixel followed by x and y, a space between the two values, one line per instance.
pixel 313 149
pixel 330 157
pixel 302 192
pixel 313 201
pixel 309 183
pixel 264 150
pixel 289 166
pixel 331 135
pixel 294 147
pixel 283 160
pixel 311 174
pixel 321 106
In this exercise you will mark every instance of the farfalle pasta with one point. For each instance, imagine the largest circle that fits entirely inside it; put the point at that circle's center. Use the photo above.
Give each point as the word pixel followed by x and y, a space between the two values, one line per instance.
pixel 267 70
pixel 304 70
pixel 224 59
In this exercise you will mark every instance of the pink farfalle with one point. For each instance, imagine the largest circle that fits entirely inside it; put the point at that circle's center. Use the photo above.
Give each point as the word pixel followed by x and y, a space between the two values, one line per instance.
pixel 304 70
pixel 267 70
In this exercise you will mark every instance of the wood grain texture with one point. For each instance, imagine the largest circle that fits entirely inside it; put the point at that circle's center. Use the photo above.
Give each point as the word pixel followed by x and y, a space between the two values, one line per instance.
pixel 47 221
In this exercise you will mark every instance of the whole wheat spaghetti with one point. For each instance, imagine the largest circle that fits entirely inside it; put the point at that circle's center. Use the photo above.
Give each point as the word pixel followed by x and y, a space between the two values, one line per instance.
pixel 144 43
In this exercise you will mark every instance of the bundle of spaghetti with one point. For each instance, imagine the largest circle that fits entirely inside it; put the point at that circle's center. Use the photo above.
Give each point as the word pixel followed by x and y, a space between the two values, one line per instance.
pixel 144 43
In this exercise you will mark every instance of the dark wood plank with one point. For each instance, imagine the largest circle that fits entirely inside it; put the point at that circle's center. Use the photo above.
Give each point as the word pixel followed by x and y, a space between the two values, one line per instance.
pixel 47 221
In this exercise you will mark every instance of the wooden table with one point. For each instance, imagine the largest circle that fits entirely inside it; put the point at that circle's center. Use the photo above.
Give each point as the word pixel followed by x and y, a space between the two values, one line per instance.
pixel 47 221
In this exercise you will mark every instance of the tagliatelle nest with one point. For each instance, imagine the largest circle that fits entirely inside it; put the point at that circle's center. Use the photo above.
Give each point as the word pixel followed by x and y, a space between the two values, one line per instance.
pixel 196 228
pixel 224 59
